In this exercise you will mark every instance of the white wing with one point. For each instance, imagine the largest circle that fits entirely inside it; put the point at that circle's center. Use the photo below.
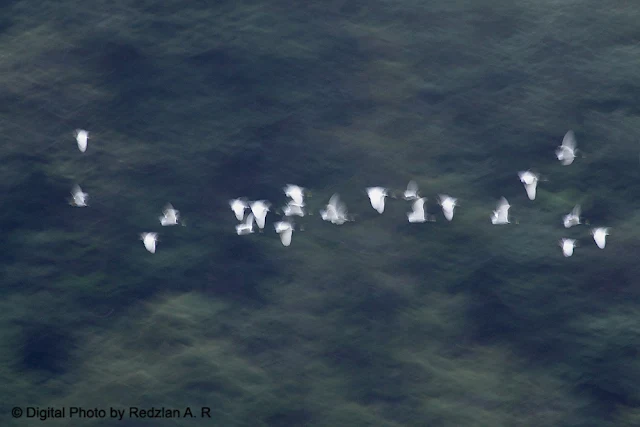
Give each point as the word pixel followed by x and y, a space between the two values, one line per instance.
pixel 569 140
pixel 531 190
pixel 285 237
pixel 412 190
pixel 81 139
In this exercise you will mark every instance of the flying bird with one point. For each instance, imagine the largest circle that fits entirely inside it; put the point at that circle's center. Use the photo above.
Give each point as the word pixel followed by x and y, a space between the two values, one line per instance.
pixel 169 216
pixel 530 181
pixel 259 209
pixel 245 227
pixel 376 197
pixel 600 235
pixel 81 138
pixel 295 193
pixel 78 198
pixel 448 205
pixel 566 152
pixel 285 230
pixel 149 240
pixel 572 218
pixel 335 211
pixel 418 213
pixel 293 209
pixel 411 193
pixel 567 246
pixel 238 206
pixel 501 214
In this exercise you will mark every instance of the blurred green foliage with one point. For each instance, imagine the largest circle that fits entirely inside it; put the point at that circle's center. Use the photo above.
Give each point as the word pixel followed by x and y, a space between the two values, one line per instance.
pixel 377 322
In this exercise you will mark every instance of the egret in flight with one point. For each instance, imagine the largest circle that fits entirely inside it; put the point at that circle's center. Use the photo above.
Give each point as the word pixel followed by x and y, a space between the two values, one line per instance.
pixel 600 235
pixel 566 152
pixel 238 206
pixel 149 240
pixel 376 196
pixel 530 181
pixel 293 209
pixel 169 216
pixel 295 193
pixel 245 227
pixel 448 205
pixel 567 246
pixel 82 137
pixel 418 213
pixel 411 193
pixel 259 209
pixel 335 211
pixel 501 214
pixel 78 198
pixel 285 230
pixel 572 218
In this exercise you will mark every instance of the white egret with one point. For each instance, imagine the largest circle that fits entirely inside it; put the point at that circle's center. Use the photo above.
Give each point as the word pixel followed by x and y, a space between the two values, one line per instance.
pixel 572 218
pixel 530 181
pixel 296 193
pixel 448 205
pixel 78 198
pixel 293 209
pixel 82 137
pixel 169 216
pixel 285 230
pixel 245 227
pixel 376 196
pixel 335 211
pixel 567 246
pixel 418 213
pixel 600 235
pixel 259 209
pixel 149 240
pixel 566 152
pixel 411 193
pixel 238 206
pixel 501 214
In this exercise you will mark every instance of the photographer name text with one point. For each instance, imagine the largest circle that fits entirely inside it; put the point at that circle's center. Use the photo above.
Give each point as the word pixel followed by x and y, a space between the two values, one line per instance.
pixel 44 414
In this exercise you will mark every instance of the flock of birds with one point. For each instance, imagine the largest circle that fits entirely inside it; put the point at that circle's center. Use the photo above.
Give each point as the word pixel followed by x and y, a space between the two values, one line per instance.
pixel 336 211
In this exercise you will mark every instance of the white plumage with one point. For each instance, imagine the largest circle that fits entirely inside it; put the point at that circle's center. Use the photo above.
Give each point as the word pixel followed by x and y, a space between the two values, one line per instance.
pixel 376 196
pixel 600 236
pixel 238 206
pixel 285 230
pixel 566 152
pixel 149 240
pixel 501 214
pixel 169 216
pixel 567 246
pixel 259 209
pixel 335 211
pixel 572 218
pixel 411 193
pixel 245 227
pixel 82 137
pixel 448 205
pixel 530 181
pixel 296 193
pixel 78 198
pixel 418 213
pixel 293 209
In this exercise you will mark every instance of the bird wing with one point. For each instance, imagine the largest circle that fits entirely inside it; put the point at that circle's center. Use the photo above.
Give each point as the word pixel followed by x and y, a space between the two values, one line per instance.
pixel 418 206
pixel 285 236
pixel 576 211
pixel 569 140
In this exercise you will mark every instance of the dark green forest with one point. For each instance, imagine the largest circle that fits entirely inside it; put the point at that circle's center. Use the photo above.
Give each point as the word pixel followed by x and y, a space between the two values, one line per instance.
pixel 377 322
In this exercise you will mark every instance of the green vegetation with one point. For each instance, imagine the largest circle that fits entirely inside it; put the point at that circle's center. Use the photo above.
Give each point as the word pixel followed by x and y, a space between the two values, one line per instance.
pixel 375 323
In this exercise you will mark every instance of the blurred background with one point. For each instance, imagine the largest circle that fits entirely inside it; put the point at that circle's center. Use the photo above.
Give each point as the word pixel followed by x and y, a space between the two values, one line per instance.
pixel 374 323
